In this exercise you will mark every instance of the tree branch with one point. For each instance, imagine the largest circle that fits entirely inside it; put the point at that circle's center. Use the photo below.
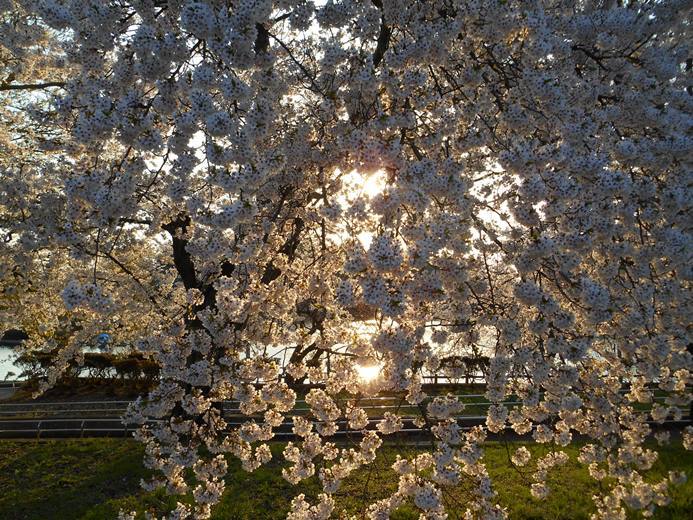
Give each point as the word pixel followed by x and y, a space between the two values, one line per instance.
pixel 262 41
pixel 181 257
pixel 383 37
pixel 127 271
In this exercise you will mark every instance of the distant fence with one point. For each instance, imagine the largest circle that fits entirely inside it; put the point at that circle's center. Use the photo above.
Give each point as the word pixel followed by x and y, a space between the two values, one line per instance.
pixel 103 418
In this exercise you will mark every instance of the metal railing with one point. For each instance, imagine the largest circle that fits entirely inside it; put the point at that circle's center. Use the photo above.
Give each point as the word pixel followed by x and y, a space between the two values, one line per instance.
pixel 94 418
pixel 8 410
pixel 231 406
pixel 50 428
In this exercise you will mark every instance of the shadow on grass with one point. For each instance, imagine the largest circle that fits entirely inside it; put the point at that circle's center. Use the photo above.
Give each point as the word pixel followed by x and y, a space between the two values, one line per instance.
pixel 93 479
pixel 64 479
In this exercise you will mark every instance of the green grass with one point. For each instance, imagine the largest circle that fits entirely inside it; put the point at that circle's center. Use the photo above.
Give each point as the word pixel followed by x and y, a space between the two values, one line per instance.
pixel 94 478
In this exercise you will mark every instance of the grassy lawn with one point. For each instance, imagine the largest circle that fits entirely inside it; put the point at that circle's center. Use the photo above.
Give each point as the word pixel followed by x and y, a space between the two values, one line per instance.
pixel 94 478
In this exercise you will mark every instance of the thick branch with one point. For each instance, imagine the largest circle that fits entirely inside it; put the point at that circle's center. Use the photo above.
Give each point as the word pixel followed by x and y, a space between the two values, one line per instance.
pixel 262 41
pixel 383 39
pixel 181 257
pixel 291 244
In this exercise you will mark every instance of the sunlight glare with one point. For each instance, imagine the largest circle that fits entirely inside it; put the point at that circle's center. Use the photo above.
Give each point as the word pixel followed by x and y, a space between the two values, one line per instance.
pixel 365 237
pixel 358 186
pixel 368 373
pixel 357 183
pixel 374 184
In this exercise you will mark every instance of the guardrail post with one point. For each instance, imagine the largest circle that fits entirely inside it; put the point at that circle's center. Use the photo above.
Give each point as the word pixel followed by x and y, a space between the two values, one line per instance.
pixel 81 430
pixel 38 430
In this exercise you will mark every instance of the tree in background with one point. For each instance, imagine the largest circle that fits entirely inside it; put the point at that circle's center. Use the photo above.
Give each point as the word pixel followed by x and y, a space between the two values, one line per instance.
pixel 232 178
pixel 36 260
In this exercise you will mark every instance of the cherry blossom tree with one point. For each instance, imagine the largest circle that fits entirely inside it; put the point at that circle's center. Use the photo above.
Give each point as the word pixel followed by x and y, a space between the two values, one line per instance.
pixel 370 182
